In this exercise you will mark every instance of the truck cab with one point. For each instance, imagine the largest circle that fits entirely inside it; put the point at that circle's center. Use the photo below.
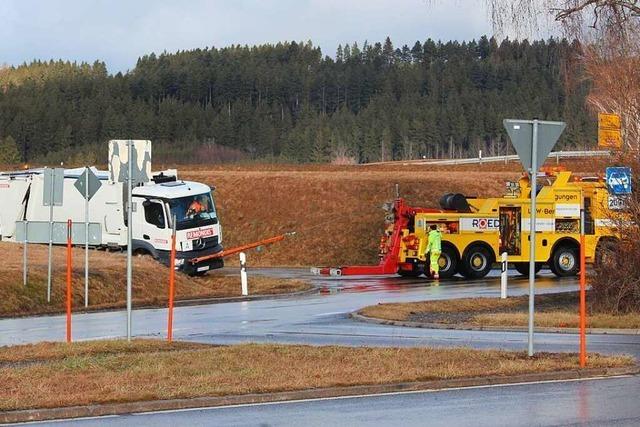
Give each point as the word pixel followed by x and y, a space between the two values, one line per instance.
pixel 198 231
pixel 155 204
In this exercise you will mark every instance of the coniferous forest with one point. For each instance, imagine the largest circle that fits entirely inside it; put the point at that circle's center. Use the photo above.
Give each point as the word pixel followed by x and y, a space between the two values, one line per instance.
pixel 288 102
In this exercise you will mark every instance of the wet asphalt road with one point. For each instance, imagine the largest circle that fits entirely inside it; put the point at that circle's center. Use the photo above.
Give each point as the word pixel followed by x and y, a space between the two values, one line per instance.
pixel 594 403
pixel 323 319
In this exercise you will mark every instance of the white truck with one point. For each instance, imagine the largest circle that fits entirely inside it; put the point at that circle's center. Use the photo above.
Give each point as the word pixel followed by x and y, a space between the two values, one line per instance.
pixel 198 231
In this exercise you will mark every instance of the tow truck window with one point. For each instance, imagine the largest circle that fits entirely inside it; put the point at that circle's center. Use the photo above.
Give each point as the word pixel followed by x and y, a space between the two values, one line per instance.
pixel 154 214
pixel 193 211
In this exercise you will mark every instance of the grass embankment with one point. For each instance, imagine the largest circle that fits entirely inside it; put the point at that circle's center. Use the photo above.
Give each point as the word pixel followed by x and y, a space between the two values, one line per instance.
pixel 107 282
pixel 556 311
pixel 335 210
pixel 57 375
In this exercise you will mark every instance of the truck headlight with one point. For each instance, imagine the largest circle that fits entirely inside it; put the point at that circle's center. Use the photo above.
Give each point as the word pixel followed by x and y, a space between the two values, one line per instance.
pixel 179 262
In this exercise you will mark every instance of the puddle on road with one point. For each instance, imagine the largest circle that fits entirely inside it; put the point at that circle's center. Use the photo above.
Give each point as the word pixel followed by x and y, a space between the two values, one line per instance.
pixel 396 284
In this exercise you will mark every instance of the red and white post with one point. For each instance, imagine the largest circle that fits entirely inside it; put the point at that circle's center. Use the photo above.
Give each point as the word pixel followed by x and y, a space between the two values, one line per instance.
pixel 172 278
pixel 583 296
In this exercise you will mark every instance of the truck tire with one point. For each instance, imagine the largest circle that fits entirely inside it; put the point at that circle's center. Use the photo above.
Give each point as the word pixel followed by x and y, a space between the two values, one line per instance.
pixel 565 261
pixel 523 268
pixel 476 262
pixel 448 262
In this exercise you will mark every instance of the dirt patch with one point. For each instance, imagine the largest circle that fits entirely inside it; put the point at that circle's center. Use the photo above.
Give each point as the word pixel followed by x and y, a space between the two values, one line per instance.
pixel 107 282
pixel 116 371
pixel 555 310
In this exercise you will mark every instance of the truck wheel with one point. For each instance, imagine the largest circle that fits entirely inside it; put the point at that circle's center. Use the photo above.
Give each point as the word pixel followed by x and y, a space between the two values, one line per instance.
pixel 523 268
pixel 477 262
pixel 448 263
pixel 565 261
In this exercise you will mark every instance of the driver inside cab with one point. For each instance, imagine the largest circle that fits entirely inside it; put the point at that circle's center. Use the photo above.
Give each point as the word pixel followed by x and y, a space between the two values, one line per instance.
pixel 199 205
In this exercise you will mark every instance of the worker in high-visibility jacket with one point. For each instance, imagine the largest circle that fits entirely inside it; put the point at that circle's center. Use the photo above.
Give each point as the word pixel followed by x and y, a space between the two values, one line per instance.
pixel 434 247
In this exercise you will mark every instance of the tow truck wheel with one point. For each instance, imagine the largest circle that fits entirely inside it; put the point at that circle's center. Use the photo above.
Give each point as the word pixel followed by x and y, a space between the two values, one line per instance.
pixel 565 261
pixel 448 263
pixel 523 268
pixel 476 262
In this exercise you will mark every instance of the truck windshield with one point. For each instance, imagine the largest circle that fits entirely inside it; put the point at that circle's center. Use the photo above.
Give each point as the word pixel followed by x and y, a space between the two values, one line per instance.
pixel 193 211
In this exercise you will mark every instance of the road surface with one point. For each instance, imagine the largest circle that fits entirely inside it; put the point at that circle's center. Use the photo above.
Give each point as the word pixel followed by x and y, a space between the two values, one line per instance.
pixel 323 319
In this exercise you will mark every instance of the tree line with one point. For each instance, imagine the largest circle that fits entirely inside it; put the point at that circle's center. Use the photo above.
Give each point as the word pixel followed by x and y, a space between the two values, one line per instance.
pixel 289 102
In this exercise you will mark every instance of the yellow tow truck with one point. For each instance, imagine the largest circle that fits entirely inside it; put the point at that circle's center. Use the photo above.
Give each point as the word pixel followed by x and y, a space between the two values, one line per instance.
pixel 475 232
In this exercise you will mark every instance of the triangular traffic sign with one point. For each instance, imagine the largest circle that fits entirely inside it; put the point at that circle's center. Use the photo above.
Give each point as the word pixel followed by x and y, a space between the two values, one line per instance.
pixel 521 134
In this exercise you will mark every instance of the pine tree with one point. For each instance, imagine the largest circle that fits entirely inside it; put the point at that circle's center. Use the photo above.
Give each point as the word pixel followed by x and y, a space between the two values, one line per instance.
pixel 9 154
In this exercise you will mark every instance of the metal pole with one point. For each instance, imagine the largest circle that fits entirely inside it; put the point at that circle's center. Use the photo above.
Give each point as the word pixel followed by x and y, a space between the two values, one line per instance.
pixel 503 277
pixel 86 237
pixel 532 231
pixel 24 254
pixel 50 238
pixel 69 264
pixel 129 238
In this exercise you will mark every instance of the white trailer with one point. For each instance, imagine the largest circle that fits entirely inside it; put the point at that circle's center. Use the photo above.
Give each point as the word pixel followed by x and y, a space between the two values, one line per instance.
pixel 198 231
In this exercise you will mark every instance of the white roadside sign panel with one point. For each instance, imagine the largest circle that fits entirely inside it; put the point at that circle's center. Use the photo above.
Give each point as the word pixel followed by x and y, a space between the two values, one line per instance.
pixel 566 210
pixel 119 160
pixel 617 203
pixel 542 224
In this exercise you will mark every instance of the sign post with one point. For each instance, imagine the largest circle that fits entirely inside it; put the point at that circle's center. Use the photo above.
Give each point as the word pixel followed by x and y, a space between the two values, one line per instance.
pixel 138 170
pixel 24 255
pixel 69 263
pixel 533 141
pixel 87 184
pixel 53 187
pixel 129 236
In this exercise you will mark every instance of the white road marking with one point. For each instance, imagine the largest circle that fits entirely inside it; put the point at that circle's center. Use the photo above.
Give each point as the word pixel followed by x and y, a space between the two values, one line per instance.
pixel 321 399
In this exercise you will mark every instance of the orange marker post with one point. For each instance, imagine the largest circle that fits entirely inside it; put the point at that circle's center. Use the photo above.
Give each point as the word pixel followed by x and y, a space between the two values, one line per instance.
pixel 583 297
pixel 172 276
pixel 69 261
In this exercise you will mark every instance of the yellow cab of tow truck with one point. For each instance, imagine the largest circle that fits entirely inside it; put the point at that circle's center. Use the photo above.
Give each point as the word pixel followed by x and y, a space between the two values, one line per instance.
pixel 475 232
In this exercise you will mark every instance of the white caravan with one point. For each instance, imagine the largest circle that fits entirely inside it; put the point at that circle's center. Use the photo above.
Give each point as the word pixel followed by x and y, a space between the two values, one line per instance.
pixel 198 231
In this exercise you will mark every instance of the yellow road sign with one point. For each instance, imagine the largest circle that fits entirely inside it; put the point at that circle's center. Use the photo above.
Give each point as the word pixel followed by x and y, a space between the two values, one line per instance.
pixel 608 121
pixel 609 138
pixel 609 135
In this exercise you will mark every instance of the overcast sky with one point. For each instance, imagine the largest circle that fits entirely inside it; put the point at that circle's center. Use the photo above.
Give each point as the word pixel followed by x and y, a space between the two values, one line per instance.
pixel 118 31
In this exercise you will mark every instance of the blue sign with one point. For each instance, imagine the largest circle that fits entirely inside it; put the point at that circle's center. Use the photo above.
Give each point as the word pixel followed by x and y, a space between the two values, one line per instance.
pixel 619 180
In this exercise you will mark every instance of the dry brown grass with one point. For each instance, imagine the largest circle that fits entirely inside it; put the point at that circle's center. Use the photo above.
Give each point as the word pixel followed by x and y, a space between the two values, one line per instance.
pixel 107 282
pixel 336 211
pixel 121 372
pixel 559 319
pixel 557 311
